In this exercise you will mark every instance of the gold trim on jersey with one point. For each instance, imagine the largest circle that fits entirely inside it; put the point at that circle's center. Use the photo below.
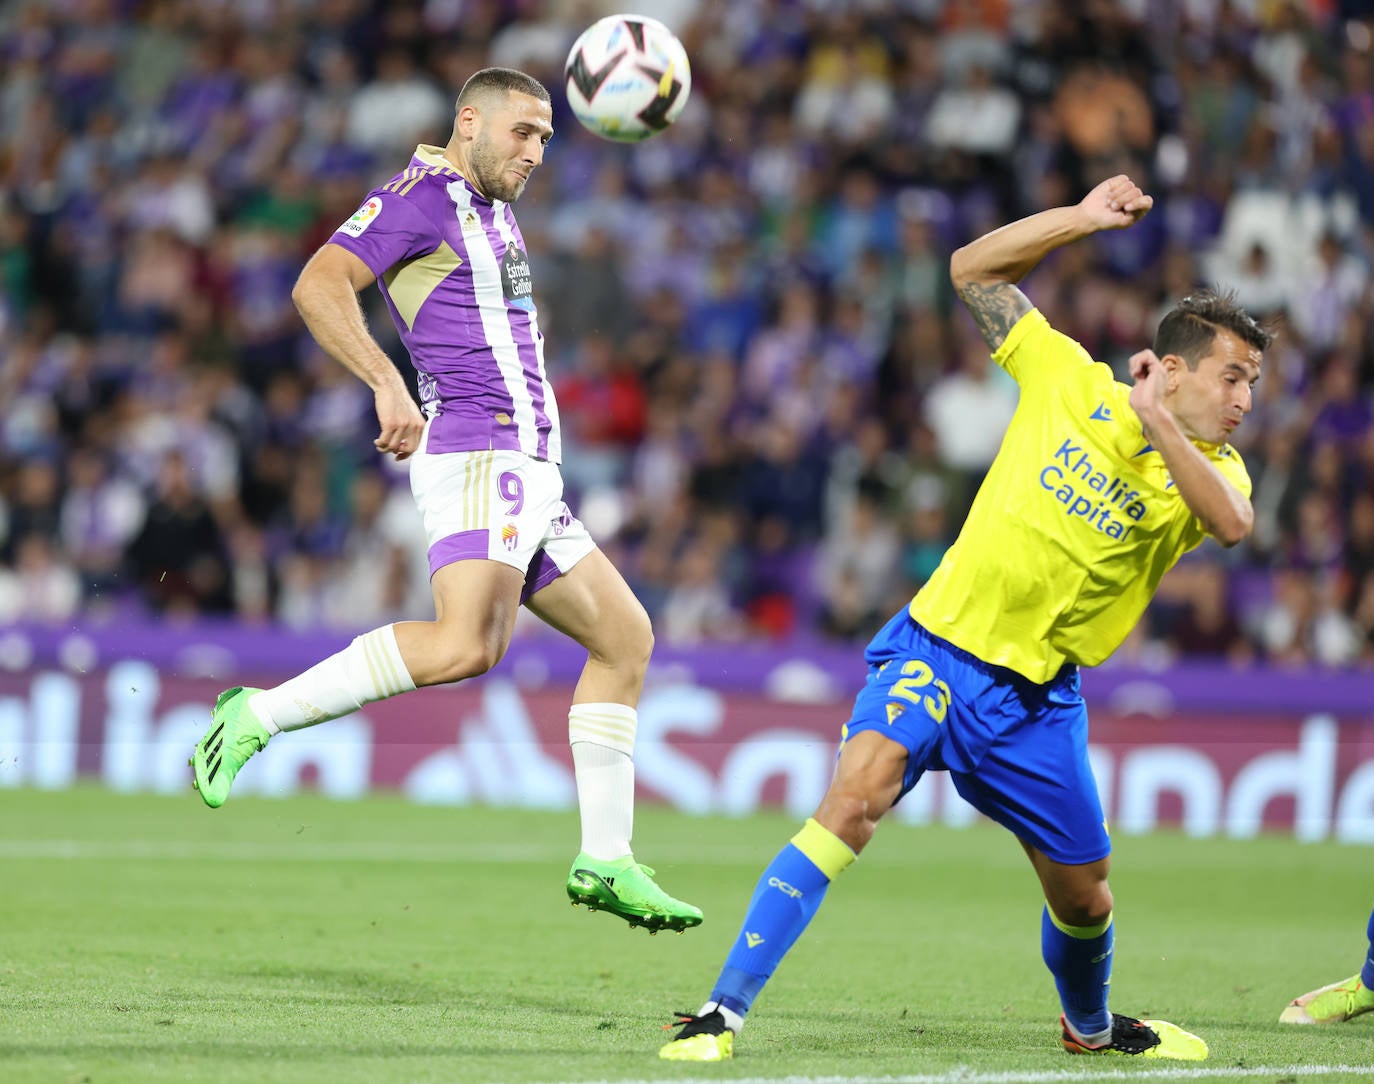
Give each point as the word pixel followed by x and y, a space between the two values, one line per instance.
pixel 410 282
pixel 394 185
pixel 408 179
pixel 434 157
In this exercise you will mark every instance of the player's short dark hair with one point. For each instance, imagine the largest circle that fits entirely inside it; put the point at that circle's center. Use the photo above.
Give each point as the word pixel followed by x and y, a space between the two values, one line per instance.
pixel 500 80
pixel 1188 329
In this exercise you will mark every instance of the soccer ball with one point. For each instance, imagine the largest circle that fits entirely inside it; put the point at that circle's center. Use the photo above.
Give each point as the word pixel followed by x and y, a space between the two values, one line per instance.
pixel 627 78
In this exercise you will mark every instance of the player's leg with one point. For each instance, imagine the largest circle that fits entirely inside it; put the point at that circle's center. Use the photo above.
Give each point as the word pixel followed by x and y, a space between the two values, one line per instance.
pixel 1077 940
pixel 1036 780
pixel 1340 1001
pixel 475 602
pixel 868 779
pixel 887 744
pixel 476 578
pixel 573 587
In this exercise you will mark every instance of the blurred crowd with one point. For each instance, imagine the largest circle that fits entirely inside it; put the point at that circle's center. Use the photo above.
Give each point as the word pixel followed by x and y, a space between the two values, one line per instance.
pixel 776 412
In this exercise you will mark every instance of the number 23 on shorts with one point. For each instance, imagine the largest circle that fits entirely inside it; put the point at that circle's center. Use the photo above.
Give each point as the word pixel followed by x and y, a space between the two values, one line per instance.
pixel 919 685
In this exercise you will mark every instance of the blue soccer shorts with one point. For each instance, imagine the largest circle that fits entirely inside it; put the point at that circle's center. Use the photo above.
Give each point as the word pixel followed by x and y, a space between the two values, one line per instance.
pixel 1016 751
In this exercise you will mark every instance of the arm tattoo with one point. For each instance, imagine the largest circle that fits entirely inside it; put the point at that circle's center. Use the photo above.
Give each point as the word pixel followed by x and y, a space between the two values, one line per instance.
pixel 995 309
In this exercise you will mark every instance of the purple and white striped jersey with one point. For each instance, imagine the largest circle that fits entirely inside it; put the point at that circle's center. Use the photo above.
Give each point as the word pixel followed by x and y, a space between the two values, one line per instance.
pixel 452 267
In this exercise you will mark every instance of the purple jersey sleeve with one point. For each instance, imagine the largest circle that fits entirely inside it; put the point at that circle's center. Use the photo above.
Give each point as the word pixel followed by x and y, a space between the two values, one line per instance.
pixel 386 229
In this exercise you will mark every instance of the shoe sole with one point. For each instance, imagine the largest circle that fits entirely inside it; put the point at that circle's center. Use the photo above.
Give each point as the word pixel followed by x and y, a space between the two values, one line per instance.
pixel 715 1048
pixel 1297 1014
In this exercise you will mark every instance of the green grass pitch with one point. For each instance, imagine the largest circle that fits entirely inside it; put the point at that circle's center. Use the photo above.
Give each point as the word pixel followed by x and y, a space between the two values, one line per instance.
pixel 148 939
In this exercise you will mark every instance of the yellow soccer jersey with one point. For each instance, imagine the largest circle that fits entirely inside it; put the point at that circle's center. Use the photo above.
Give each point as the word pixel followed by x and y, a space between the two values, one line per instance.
pixel 1075 524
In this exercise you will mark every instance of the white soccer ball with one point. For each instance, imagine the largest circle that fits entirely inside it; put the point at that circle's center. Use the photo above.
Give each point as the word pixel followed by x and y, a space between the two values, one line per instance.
pixel 627 78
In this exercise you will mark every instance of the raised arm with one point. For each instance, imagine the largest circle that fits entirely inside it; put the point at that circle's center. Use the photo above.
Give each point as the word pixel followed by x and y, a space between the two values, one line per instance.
pixel 985 271
pixel 326 296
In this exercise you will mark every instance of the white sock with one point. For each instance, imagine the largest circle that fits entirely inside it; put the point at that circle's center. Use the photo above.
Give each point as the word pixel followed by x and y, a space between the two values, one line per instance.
pixel 603 744
pixel 733 1020
pixel 368 669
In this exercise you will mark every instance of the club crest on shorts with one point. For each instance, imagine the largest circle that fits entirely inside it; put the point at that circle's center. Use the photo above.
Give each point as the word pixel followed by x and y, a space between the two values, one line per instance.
pixel 510 536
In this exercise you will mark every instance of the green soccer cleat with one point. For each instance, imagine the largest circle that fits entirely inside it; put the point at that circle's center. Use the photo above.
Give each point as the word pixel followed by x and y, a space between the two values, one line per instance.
pixel 627 889
pixel 235 735
pixel 1332 1004
pixel 702 1038
pixel 1141 1039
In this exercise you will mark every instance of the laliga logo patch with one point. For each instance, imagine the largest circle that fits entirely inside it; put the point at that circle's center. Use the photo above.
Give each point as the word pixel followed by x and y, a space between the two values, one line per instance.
pixel 363 217
pixel 510 535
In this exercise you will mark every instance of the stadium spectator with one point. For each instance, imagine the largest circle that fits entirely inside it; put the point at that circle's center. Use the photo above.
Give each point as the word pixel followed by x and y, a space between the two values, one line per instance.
pixel 968 411
pixel 857 564
pixel 101 511
pixel 178 557
pixel 34 507
pixel 1205 626
pixel 396 108
pixel 697 605
pixel 41 586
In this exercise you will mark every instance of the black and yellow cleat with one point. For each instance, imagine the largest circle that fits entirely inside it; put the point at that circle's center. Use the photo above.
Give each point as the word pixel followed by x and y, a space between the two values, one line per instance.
pixel 701 1038
pixel 1140 1039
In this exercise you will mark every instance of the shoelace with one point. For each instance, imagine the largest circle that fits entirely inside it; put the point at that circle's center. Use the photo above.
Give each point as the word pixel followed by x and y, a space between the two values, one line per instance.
pixel 1130 1034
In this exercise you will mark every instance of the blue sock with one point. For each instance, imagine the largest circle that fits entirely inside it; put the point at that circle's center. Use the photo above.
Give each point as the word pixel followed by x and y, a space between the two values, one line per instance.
pixel 1367 972
pixel 787 895
pixel 1080 959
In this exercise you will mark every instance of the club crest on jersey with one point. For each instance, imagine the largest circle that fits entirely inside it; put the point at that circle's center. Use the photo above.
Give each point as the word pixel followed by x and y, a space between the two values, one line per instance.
pixel 510 536
pixel 363 217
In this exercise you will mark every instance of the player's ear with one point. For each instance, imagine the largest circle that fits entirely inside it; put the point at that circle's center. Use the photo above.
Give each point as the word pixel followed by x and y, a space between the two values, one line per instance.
pixel 467 122
pixel 1173 369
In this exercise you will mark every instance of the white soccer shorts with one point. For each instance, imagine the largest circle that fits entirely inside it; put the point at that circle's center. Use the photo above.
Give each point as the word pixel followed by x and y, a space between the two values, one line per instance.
pixel 497 506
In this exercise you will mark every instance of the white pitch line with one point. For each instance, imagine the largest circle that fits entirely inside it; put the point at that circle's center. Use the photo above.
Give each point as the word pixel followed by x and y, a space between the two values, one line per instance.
pixel 301 849
pixel 286 846
pixel 169 850
pixel 1054 1076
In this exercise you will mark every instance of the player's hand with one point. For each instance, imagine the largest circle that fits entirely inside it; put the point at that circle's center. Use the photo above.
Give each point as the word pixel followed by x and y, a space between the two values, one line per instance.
pixel 400 420
pixel 1115 204
pixel 1151 383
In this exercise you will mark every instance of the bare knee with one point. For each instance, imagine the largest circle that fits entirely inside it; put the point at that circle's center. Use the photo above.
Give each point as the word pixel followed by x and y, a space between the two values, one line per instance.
pixel 1081 902
pixel 639 646
pixel 627 644
pixel 868 779
pixel 851 816
pixel 468 656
